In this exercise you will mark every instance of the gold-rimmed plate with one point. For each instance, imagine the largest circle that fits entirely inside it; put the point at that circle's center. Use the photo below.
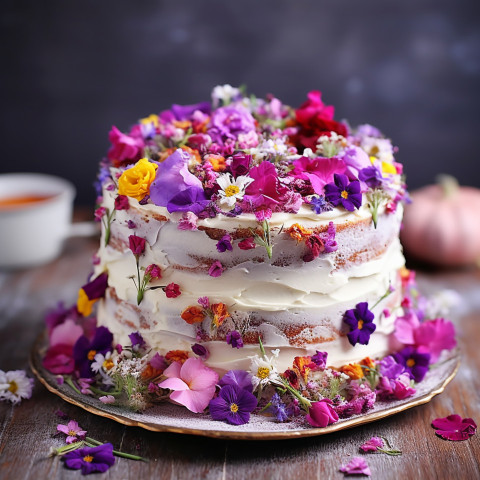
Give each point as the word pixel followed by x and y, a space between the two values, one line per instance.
pixel 173 418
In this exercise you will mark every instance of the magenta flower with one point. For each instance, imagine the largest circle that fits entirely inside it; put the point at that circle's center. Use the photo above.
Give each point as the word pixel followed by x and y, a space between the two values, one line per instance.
pixel 154 271
pixel 124 147
pixel 319 171
pixel 454 427
pixel 188 221
pixel 247 244
pixel 372 445
pixel 59 359
pixel 360 320
pixel 240 165
pixel 200 351
pixel 216 269
pixel 121 203
pixel 321 413
pixel 436 335
pixel 356 466
pixel 90 459
pixel 229 122
pixel 73 431
pixel 398 388
pixel 224 244
pixel 320 360
pixel 136 244
pixel 390 368
pixel 192 384
pixel 233 404
pixel 345 193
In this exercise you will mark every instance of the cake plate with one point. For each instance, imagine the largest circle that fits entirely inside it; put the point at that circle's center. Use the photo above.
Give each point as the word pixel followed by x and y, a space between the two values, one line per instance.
pixel 173 418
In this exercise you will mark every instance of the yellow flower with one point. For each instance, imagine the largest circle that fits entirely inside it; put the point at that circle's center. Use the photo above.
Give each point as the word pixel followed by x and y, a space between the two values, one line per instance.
pixel 84 304
pixel 388 168
pixel 135 182
pixel 150 119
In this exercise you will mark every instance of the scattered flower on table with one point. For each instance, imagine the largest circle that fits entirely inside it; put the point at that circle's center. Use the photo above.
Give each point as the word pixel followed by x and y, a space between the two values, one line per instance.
pixel 356 466
pixel 90 459
pixel 454 427
pixel 378 444
pixel 15 386
pixel 73 431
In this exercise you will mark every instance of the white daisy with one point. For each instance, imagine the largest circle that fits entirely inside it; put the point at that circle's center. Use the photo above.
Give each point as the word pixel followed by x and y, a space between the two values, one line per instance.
pixel 102 365
pixel 232 189
pixel 264 370
pixel 15 386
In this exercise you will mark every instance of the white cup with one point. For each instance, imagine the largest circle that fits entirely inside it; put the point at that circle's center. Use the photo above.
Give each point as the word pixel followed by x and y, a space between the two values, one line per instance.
pixel 32 233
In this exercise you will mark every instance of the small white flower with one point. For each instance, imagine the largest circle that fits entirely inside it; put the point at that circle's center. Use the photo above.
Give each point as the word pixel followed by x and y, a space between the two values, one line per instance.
pixel 15 386
pixel 264 370
pixel 224 93
pixel 232 189
pixel 104 364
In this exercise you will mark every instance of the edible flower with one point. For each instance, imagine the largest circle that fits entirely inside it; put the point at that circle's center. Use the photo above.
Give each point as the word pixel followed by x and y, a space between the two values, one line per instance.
pixel 224 244
pixel 372 445
pixel 135 182
pixel 234 338
pixel 356 466
pixel 125 148
pixel 321 413
pixel 278 408
pixel 193 315
pixel 454 427
pixel 84 350
pixel 90 459
pixel 216 269
pixel 415 361
pixel 172 290
pixel 233 404
pixel 15 386
pixel 72 430
pixel 239 378
pixel 231 189
pixel 343 192
pixel 360 321
pixel 192 384
pixel 90 293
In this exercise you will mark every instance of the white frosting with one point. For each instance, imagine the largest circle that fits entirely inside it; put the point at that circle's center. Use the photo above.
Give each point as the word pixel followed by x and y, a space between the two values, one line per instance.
pixel 294 305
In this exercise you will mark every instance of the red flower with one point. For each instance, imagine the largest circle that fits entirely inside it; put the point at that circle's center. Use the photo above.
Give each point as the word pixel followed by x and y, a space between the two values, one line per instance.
pixel 172 290
pixel 316 119
pixel 121 203
pixel 247 244
pixel 136 244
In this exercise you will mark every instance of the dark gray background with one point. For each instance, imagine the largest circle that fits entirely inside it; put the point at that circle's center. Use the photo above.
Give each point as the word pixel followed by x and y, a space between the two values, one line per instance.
pixel 72 69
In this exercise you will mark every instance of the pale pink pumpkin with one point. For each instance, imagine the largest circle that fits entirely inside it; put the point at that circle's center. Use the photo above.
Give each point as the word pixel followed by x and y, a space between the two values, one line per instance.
pixel 442 224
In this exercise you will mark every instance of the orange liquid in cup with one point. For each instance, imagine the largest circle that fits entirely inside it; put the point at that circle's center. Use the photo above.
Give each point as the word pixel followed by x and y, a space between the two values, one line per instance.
pixel 24 200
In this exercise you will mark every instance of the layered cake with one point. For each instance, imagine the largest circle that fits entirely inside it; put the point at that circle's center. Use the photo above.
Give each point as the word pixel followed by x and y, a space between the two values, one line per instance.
pixel 255 247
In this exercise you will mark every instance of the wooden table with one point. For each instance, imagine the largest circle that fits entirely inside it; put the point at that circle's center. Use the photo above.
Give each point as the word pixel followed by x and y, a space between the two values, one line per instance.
pixel 27 431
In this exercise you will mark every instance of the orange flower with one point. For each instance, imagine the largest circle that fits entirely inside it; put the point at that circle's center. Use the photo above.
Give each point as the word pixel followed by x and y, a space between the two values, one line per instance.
pixel 303 365
pixel 185 124
pixel 220 313
pixel 150 372
pixel 218 162
pixel 176 356
pixel 368 362
pixel 166 153
pixel 298 233
pixel 353 370
pixel 193 315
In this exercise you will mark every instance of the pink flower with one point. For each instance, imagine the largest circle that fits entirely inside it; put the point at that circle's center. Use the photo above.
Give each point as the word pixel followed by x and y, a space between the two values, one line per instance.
pixel 99 213
pixel 454 427
pixel 405 328
pixel 193 384
pixel 265 191
pixel 172 290
pixel 67 333
pixel 437 335
pixel 372 445
pixel 72 430
pixel 124 147
pixel 356 466
pixel 59 359
pixel 216 269
pixel 107 399
pixel 188 221
pixel 321 414
pixel 318 170
pixel 121 203
pixel 154 271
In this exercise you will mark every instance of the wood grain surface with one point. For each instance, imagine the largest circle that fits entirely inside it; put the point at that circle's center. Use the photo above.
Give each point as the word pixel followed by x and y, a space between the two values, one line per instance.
pixel 27 431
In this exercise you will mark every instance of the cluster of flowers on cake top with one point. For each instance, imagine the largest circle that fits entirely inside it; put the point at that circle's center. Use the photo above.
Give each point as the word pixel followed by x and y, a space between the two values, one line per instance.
pixel 240 154
pixel 84 356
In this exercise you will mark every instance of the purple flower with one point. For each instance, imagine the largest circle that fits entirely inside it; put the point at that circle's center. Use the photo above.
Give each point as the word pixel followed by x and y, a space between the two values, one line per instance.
pixel 73 431
pixel 185 112
pixel 320 359
pixel 233 404
pixel 345 193
pixel 278 408
pixel 225 243
pixel 172 179
pixel 239 378
pixel 158 362
pixel 84 350
pixel 415 361
pixel 131 224
pixel 240 165
pixel 360 321
pixel 90 459
pixel 216 269
pixel 96 287
pixel 372 176
pixel 229 122
pixel 200 350
pixel 136 244
pixel 329 242
pixel 204 302
pixel 319 205
pixel 136 340
pixel 234 339
pixel 390 368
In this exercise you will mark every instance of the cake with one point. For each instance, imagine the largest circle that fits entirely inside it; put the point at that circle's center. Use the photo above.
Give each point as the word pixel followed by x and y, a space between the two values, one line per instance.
pixel 243 235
